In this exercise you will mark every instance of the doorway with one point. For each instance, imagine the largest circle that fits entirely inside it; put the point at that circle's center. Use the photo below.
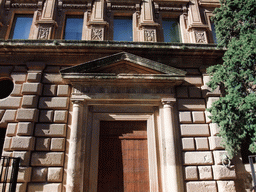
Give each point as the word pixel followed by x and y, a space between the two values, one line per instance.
pixel 123 157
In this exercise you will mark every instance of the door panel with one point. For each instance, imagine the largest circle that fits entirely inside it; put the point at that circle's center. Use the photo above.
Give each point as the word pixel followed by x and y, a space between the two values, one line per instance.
pixel 123 157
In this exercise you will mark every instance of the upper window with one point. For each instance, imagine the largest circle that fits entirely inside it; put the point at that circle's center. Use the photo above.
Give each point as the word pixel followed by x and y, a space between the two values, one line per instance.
pixel 171 30
pixel 21 26
pixel 213 33
pixel 122 29
pixel 73 28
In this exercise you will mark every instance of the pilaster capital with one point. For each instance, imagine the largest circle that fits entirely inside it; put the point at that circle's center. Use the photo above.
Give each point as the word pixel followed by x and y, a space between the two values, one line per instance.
pixel 77 101
pixel 168 101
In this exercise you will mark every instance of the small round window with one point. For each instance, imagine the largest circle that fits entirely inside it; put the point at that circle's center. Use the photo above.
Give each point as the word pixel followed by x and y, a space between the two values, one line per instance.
pixel 6 87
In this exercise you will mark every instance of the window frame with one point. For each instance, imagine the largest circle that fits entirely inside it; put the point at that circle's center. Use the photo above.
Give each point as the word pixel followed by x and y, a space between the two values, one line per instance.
pixel 123 16
pixel 179 30
pixel 65 22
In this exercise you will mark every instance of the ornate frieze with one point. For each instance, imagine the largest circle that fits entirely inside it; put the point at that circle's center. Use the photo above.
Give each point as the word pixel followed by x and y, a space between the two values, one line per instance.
pixel 171 9
pixel 43 33
pixel 74 6
pixel 123 7
pixel 24 5
pixel 200 37
pixel 97 34
pixel 150 35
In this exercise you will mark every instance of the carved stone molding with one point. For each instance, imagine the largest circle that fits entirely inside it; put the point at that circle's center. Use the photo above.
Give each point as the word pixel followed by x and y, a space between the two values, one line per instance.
pixel 97 34
pixel 200 37
pixel 44 33
pixel 150 35
pixel 179 9
pixel 74 6
pixel 24 5
pixel 123 7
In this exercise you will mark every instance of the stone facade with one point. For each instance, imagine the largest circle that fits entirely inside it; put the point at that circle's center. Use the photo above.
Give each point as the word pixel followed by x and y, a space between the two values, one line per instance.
pixel 63 89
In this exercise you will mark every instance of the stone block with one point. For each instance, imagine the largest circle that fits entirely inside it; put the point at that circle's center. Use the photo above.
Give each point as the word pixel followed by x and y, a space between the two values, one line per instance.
pixel 207 117
pixel 194 92
pixel 1 113
pixel 52 69
pixel 211 100
pixel 198 158
pixel 43 144
pixel 53 78
pixel 53 103
pixel 16 90
pixel 191 173
pixel 11 129
pixel 185 117
pixel 50 130
pixel 34 77
pixel 19 77
pixel 194 80
pixel 39 174
pixel 63 90
pixel 46 116
pixel 60 116
pixel 21 187
pixel 198 117
pixel 201 186
pixel 205 172
pixel 29 101
pixel 27 115
pixel 55 174
pixel 208 92
pixel 194 130
pixel 221 172
pixel 182 92
pixel 24 156
pixel 49 90
pixel 215 142
pixel 218 156
pixel 42 187
pixel 202 143
pixel 188 144
pixel 24 174
pixel 32 88
pixel 22 143
pixel 10 102
pixel 226 186
pixel 51 159
pixel 7 143
pixel 191 104
pixel 58 144
pixel 25 128
pixel 214 128
pixel 9 116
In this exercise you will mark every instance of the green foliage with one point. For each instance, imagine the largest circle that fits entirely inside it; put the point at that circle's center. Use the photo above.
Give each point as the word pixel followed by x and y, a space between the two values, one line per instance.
pixel 235 111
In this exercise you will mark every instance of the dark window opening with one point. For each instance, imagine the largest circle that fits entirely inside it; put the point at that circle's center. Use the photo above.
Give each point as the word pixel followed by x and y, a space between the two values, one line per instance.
pixel 73 27
pixel 6 86
pixel 171 30
pixel 123 29
pixel 245 150
pixel 2 137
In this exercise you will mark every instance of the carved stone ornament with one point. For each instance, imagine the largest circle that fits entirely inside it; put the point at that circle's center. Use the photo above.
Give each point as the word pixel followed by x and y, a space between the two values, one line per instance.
pixel 97 34
pixel 74 6
pixel 24 5
pixel 150 35
pixel 200 37
pixel 43 33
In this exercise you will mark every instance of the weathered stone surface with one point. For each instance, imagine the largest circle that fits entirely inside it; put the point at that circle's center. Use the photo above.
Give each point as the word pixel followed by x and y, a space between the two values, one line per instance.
pixel 1 113
pixel 188 144
pixel 11 129
pixel 194 92
pixel 208 92
pixel 5 71
pixel 25 128
pixel 43 144
pixel 191 104
pixel 52 69
pixel 215 143
pixel 19 68
pixel 27 115
pixel 207 119
pixel 53 103
pixel 50 130
pixel 205 172
pixel 198 117
pixel 202 143
pixel 218 156
pixel 16 90
pixel 9 116
pixel 36 187
pixel 34 77
pixel 32 88
pixel 47 159
pixel 46 116
pixel 195 80
pixel 63 90
pixel 29 101
pixel 25 157
pixel 194 130
pixel 18 77
pixel 57 144
pixel 10 102
pixel 226 186
pixel 39 174
pixel 24 174
pixel 191 173
pixel 60 116
pixel 214 129
pixel 211 100
pixel 49 90
pixel 22 143
pixel 7 143
pixel 198 158
pixel 185 117
pixel 182 92
pixel 52 78
pixel 55 174
pixel 201 186
pixel 221 172
pixel 21 187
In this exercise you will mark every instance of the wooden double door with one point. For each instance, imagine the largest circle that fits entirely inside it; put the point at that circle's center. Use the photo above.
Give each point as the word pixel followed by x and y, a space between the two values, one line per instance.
pixel 123 157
